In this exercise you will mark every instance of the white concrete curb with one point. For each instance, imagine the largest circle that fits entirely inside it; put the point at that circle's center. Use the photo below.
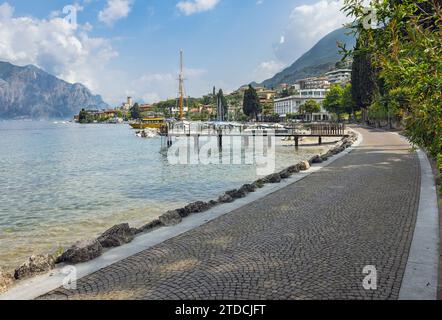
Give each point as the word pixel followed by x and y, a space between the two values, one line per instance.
pixel 420 278
pixel 40 285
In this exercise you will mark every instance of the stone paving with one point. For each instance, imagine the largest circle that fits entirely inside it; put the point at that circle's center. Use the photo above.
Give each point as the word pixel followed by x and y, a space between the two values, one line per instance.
pixel 310 240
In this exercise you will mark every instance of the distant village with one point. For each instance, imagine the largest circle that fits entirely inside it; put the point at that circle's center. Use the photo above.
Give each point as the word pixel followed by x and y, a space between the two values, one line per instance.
pixel 277 104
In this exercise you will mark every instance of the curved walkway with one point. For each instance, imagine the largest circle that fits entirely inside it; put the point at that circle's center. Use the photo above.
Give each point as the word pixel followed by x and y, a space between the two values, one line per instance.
pixel 310 240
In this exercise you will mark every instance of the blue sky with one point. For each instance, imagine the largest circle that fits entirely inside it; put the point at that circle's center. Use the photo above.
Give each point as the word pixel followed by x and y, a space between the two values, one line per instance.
pixel 131 47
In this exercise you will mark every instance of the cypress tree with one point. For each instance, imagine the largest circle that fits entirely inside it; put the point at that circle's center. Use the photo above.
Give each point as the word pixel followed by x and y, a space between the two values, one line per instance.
pixel 251 105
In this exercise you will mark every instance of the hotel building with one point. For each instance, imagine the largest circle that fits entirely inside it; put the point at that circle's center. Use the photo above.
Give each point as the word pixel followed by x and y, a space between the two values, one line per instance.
pixel 292 104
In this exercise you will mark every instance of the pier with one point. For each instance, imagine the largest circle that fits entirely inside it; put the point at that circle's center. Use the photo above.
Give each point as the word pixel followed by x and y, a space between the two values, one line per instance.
pixel 291 132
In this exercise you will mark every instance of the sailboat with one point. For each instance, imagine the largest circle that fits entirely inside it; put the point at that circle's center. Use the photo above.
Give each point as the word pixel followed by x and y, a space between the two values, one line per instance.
pixel 181 88
pixel 159 122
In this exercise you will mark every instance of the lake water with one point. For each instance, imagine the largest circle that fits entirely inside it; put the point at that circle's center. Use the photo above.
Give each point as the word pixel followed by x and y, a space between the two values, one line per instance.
pixel 60 183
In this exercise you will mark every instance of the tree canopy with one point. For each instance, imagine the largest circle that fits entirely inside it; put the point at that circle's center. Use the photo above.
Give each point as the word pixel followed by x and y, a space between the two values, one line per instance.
pixel 406 50
pixel 310 106
pixel 251 105
pixel 223 101
pixel 333 100
pixel 135 111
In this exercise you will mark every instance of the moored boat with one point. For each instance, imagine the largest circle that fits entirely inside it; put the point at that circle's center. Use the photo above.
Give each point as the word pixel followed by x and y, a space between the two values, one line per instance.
pixel 149 123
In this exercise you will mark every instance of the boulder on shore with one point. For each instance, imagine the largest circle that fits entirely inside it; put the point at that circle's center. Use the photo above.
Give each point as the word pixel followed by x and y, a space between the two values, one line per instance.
pixel 150 226
pixel 35 264
pixel 248 188
pixel 82 251
pixel 304 165
pixel 316 159
pixel 195 207
pixel 116 236
pixel 171 218
pixel 273 178
pixel 6 280
pixel 259 183
pixel 293 169
pixel 225 198
pixel 285 174
pixel 236 194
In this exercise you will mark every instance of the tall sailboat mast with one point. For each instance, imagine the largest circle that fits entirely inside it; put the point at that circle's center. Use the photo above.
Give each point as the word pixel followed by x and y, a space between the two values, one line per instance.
pixel 181 87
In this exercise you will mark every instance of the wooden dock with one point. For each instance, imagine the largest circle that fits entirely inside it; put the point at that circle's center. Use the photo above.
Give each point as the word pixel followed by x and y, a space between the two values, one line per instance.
pixel 296 131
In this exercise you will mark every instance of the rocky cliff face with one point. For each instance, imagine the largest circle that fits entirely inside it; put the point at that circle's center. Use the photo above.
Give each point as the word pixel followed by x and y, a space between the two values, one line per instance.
pixel 29 92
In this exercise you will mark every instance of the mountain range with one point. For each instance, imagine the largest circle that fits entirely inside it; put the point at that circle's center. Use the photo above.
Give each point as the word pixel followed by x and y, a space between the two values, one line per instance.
pixel 30 92
pixel 317 61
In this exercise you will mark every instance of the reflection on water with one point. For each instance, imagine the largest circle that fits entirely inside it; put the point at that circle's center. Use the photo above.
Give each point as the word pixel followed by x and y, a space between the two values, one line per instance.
pixel 64 182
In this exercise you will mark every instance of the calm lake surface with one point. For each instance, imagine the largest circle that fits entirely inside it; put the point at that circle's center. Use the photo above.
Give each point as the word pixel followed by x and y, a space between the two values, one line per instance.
pixel 65 182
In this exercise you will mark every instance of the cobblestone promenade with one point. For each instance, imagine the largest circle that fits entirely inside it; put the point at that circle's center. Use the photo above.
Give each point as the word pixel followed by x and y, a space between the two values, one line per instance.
pixel 310 240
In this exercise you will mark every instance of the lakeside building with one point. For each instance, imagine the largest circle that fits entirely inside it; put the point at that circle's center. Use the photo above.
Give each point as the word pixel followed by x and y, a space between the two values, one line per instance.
pixel 295 87
pixel 146 109
pixel 203 109
pixel 339 76
pixel 99 115
pixel 128 104
pixel 293 103
pixel 282 86
pixel 312 83
pixel 265 95
pixel 176 109
pixel 207 108
pixel 108 114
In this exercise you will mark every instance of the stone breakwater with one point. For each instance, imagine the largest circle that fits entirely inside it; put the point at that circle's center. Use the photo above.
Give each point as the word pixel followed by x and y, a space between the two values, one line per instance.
pixel 118 235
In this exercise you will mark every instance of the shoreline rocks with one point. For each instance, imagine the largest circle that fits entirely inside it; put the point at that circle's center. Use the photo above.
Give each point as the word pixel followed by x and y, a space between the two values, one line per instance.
pixel 116 236
pixel 35 264
pixel 304 165
pixel 259 183
pixel 285 174
pixel 170 218
pixel 195 207
pixel 248 188
pixel 294 169
pixel 150 226
pixel 316 159
pixel 225 198
pixel 273 178
pixel 82 251
pixel 236 193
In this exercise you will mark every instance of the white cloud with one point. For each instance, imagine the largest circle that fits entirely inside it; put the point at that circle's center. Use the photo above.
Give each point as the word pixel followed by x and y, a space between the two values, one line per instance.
pixel 115 10
pixel 6 11
pixel 308 24
pixel 267 69
pixel 55 46
pixel 190 7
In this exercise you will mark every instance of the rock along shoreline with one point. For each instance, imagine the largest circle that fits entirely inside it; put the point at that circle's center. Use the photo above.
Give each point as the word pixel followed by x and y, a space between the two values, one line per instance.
pixel 118 235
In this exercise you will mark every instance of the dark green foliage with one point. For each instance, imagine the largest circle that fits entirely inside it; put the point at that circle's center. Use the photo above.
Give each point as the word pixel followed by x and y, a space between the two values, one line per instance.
pixel 251 105
pixel 135 111
pixel 310 106
pixel 333 100
pixel 363 78
pixel 224 103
